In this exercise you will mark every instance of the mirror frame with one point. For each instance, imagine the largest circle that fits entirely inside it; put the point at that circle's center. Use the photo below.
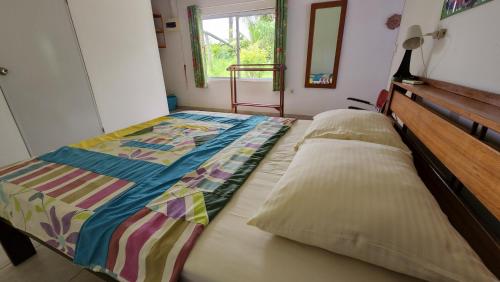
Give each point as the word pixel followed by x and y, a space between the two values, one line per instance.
pixel 315 6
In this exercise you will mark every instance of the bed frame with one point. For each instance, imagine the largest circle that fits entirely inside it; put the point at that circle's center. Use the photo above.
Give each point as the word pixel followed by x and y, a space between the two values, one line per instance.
pixel 458 166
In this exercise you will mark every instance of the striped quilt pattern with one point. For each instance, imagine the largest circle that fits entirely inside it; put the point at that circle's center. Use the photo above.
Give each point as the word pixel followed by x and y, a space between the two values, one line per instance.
pixel 132 203
pixel 149 246
pixel 84 189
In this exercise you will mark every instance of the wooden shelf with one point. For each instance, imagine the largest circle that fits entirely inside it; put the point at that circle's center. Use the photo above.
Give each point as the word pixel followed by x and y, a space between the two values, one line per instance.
pixel 483 113
pixel 461 150
pixel 158 19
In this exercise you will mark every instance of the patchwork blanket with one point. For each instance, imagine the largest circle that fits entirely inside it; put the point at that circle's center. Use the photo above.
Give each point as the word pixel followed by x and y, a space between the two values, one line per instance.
pixel 132 203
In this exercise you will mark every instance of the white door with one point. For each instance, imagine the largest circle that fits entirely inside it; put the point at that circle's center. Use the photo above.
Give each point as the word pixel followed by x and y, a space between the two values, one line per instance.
pixel 119 47
pixel 46 86
pixel 12 148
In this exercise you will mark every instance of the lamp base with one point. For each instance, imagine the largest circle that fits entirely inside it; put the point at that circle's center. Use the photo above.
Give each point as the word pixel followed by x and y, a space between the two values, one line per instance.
pixel 408 77
pixel 404 69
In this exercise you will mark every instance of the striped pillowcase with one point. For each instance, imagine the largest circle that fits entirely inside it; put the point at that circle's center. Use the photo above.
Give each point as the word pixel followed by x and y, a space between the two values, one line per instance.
pixel 354 125
pixel 366 201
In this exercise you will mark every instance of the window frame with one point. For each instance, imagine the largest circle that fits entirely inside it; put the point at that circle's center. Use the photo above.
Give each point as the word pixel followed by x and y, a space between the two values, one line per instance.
pixel 237 15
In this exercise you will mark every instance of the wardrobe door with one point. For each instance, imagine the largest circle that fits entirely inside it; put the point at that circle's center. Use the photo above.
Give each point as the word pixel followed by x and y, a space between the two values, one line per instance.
pixel 119 47
pixel 12 148
pixel 43 76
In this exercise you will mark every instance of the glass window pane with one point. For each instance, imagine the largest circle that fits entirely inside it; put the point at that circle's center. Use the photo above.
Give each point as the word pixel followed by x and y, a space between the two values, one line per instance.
pixel 257 43
pixel 220 45
pixel 256 39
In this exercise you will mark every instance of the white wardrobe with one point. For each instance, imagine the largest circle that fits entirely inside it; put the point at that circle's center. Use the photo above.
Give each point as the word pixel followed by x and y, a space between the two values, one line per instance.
pixel 72 70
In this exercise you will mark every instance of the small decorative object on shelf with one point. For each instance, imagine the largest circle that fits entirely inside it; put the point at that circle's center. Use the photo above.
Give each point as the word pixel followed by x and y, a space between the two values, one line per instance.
pixel 413 81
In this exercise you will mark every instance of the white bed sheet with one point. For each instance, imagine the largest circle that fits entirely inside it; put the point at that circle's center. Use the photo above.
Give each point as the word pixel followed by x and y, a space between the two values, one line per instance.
pixel 230 250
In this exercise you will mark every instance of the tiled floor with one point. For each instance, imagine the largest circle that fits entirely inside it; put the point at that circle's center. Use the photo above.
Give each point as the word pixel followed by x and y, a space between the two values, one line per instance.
pixel 45 266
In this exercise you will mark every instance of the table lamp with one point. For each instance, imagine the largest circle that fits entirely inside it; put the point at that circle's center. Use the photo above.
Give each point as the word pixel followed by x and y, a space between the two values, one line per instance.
pixel 414 40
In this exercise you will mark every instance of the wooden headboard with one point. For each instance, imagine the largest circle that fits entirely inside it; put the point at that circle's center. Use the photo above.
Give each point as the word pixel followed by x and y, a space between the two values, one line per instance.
pixel 458 166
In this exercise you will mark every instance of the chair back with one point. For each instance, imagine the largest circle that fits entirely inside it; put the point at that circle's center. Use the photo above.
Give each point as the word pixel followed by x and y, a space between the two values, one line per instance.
pixel 381 100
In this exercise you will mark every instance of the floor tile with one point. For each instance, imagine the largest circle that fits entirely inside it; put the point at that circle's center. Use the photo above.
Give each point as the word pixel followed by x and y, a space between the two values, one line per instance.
pixel 86 276
pixel 35 243
pixel 4 259
pixel 46 265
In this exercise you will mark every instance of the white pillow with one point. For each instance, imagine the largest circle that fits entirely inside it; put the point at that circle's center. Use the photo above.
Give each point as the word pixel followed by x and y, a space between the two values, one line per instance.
pixel 366 201
pixel 354 125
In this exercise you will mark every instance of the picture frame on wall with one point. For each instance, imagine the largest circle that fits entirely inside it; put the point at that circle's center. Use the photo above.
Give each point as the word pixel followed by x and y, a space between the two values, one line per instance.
pixel 452 7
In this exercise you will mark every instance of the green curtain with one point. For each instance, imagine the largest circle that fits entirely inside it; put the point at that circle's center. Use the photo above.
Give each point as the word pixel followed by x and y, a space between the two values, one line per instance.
pixel 280 39
pixel 195 30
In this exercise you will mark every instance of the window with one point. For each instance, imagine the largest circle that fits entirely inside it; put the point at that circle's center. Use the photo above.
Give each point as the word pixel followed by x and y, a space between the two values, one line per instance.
pixel 240 39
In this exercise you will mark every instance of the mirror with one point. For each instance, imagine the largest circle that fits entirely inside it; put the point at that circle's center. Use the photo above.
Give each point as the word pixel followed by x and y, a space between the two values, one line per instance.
pixel 325 41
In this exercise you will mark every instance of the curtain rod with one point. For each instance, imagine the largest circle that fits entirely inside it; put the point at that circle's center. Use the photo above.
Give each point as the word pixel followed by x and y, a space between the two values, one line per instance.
pixel 235 4
pixel 207 16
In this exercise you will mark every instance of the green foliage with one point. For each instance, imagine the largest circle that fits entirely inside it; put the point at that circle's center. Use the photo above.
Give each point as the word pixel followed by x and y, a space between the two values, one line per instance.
pixel 221 57
pixel 261 30
pixel 254 54
pixel 257 49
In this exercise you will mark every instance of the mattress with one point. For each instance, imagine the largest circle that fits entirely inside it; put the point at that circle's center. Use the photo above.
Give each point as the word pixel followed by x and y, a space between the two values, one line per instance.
pixel 230 250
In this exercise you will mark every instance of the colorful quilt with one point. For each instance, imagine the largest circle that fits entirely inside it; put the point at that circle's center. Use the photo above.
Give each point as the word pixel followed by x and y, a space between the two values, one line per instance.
pixel 132 203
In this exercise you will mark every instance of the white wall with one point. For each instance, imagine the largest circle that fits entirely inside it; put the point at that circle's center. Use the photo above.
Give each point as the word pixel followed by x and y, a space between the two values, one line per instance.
pixel 425 13
pixel 469 55
pixel 12 147
pixel 367 52
pixel 119 47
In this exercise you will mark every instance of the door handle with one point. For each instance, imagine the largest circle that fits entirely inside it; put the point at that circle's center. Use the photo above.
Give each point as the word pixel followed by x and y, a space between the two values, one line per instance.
pixel 3 71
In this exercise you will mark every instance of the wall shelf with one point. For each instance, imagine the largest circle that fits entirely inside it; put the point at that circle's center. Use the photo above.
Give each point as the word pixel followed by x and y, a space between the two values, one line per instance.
pixel 160 32
pixel 481 108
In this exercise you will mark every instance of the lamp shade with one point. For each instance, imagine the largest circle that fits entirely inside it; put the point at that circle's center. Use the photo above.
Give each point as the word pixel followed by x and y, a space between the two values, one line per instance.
pixel 414 38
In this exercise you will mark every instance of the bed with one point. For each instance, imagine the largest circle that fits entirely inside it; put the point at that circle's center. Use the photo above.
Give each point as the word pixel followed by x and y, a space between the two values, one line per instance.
pixel 226 249
pixel 262 256
pixel 132 203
